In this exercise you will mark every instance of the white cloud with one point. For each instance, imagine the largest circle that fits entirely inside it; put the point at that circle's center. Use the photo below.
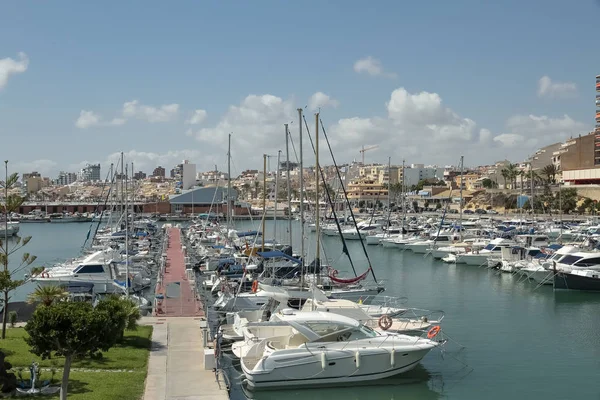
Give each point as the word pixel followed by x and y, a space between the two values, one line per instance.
pixel 257 123
pixel 197 118
pixel 321 100
pixel 372 66
pixel 550 89
pixel 131 109
pixel 87 119
pixel 9 67
pixel 164 113
pixel 536 131
pixel 509 139
pixel 43 166
pixel 117 122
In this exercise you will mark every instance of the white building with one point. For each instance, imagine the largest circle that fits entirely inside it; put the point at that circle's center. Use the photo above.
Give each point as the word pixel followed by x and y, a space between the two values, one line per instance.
pixel 66 178
pixel 417 172
pixel 89 173
pixel 188 175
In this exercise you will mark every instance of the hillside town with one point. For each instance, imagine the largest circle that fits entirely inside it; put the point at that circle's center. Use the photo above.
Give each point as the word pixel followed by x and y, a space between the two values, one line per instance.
pixel 571 164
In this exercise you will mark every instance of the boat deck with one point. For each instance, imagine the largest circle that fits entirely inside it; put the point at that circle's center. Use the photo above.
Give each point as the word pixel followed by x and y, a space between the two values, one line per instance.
pixel 179 299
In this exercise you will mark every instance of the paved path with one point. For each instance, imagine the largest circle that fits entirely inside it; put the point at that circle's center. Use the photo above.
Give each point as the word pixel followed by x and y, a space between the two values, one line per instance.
pixel 179 298
pixel 176 366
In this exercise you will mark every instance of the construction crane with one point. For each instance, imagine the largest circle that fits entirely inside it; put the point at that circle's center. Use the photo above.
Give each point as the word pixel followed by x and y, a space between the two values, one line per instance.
pixel 362 151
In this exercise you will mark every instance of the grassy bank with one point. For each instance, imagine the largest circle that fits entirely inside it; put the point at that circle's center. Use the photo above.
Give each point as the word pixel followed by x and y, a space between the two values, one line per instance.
pixel 119 374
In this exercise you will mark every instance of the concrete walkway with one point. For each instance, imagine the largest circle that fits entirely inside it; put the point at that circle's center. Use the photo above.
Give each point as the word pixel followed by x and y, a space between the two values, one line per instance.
pixel 176 365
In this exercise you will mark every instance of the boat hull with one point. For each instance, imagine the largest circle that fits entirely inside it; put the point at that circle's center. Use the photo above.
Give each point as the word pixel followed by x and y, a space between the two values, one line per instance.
pixel 334 368
pixel 576 282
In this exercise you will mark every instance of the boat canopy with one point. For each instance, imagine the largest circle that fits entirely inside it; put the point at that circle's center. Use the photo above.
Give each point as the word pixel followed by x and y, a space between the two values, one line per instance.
pixel 277 254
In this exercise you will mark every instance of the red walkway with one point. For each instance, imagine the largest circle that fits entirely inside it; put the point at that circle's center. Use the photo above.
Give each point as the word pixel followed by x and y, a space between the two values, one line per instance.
pixel 179 299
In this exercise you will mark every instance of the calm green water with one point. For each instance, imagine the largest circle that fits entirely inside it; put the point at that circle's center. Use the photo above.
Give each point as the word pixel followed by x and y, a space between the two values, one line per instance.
pixel 519 342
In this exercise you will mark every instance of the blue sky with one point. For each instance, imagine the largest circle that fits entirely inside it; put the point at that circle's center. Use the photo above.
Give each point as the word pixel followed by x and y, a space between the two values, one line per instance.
pixel 436 74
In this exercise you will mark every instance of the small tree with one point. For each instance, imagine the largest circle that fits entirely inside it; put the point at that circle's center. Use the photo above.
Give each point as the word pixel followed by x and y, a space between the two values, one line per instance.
pixel 73 330
pixel 125 311
pixel 7 281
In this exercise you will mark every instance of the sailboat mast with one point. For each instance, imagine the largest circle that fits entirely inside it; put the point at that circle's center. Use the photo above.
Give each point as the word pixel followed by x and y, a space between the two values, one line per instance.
pixel 276 196
pixel 288 183
pixel 126 237
pixel 402 193
pixel 462 161
pixel 229 214
pixel 264 200
pixel 389 194
pixel 301 200
pixel 317 216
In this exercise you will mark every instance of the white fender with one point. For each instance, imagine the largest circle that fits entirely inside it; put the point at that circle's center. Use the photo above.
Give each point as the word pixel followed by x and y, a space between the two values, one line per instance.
pixel 323 360
pixel 357 357
pixel 393 358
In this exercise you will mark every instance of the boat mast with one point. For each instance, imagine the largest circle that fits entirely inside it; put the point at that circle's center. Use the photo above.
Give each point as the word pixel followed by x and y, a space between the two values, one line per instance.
pixel 288 183
pixel 389 195
pixel 403 198
pixel 301 201
pixel 264 200
pixel 276 197
pixel 462 161
pixel 122 186
pixel 126 237
pixel 317 216
pixel 228 225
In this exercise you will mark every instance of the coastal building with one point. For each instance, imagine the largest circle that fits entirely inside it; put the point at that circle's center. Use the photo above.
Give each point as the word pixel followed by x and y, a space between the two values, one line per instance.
pixel 185 174
pixel 89 173
pixel 212 177
pixel 33 174
pixel 159 171
pixel 368 190
pixel 66 178
pixel 139 176
pixel 382 174
pixel 206 199
pixel 418 172
pixel 546 155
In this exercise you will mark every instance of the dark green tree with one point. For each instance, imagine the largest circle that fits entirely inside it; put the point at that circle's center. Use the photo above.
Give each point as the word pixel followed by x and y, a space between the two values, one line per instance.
pixel 488 183
pixel 72 330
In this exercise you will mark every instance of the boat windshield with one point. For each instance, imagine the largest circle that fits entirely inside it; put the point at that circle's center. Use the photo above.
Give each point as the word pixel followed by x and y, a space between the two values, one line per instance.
pixel 489 247
pixel 335 332
pixel 569 259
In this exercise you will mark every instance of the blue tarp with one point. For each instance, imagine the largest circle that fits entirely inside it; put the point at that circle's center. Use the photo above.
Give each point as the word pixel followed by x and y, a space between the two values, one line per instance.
pixel 555 246
pixel 276 254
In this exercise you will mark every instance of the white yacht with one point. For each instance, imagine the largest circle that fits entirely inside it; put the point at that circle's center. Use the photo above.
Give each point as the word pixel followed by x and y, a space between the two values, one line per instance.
pixel 480 257
pixel 310 348
pixel 97 268
pixel 423 246
pixel 540 271
pixel 364 229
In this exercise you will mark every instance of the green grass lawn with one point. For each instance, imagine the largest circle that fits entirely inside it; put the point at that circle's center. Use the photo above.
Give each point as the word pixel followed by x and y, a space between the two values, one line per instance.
pixel 131 355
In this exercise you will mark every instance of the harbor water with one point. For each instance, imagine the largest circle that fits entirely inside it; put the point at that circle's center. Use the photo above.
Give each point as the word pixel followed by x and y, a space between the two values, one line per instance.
pixel 519 341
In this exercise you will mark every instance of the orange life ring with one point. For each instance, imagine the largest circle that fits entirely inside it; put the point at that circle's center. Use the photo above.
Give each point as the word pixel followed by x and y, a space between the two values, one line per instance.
pixel 385 322
pixel 45 274
pixel 433 332
pixel 254 286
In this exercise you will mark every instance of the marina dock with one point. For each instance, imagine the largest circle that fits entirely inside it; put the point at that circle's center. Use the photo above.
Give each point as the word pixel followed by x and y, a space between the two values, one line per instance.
pixel 176 367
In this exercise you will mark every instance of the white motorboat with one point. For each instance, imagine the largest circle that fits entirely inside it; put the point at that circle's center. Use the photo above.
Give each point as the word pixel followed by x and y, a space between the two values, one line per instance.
pixel 312 348
pixel 98 268
pixel 9 228
pixel 480 257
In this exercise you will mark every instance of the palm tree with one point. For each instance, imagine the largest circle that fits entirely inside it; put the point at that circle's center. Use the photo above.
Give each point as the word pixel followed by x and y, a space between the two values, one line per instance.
pixel 550 171
pixel 505 176
pixel 47 295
